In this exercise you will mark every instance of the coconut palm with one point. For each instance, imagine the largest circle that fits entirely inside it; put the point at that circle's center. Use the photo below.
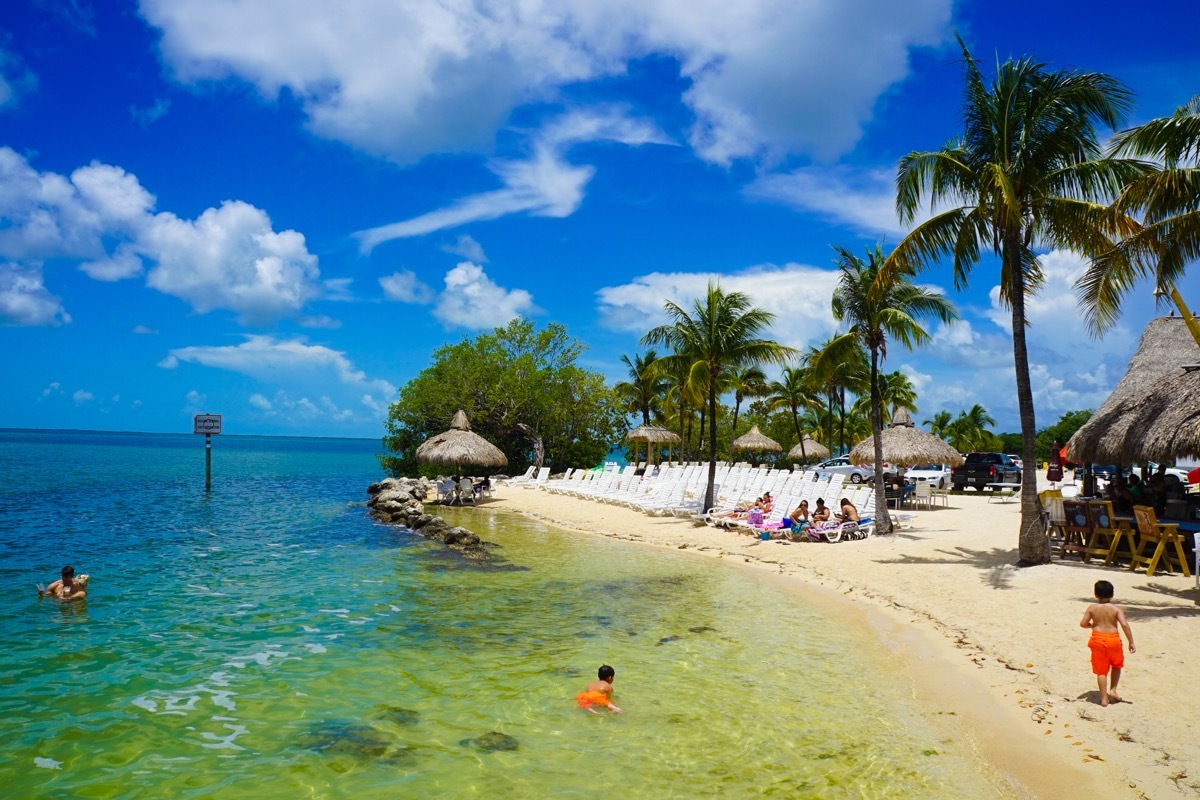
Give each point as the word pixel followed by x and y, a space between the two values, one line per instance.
pixel 1166 200
pixel 748 382
pixel 939 424
pixel 880 304
pixel 838 370
pixel 895 391
pixel 643 392
pixel 969 430
pixel 721 333
pixel 1026 171
pixel 794 394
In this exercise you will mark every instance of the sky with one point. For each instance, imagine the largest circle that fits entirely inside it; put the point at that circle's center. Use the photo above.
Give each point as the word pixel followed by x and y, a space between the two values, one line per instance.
pixel 276 210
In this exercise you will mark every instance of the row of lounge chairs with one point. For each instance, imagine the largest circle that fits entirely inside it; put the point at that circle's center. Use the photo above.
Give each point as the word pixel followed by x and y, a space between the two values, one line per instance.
pixel 678 490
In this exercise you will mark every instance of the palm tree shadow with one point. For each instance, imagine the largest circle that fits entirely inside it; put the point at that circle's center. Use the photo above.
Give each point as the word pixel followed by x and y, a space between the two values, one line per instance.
pixel 996 563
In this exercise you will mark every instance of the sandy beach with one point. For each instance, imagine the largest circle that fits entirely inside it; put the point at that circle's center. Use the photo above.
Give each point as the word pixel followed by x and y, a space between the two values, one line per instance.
pixel 1002 645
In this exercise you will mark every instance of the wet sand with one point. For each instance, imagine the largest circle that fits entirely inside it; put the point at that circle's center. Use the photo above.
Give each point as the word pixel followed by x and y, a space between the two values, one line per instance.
pixel 1004 645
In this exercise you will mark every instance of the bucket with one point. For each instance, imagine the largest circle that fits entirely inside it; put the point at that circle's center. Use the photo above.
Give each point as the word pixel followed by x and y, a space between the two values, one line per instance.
pixel 766 535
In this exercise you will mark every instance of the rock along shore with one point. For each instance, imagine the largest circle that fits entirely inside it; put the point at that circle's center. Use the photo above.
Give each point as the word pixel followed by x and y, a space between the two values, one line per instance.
pixel 400 501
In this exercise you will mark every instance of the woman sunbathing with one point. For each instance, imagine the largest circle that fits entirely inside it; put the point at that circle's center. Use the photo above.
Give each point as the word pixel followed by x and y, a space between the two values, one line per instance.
pixel 849 512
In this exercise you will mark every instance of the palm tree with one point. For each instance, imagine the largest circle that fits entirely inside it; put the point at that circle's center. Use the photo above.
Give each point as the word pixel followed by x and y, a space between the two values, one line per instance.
pixel 794 394
pixel 895 391
pixel 643 392
pixel 939 425
pixel 837 370
pixel 969 430
pixel 721 334
pixel 1169 236
pixel 880 304
pixel 750 382
pixel 1026 170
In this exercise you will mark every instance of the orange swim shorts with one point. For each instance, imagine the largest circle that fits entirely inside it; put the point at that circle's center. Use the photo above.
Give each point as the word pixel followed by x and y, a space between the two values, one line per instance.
pixel 1106 652
pixel 589 699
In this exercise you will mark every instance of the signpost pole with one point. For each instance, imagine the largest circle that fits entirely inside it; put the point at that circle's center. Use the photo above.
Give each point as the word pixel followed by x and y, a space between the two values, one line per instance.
pixel 208 424
pixel 208 462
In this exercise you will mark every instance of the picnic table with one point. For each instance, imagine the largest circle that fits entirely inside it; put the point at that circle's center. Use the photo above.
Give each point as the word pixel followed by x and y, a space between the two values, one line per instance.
pixel 1003 491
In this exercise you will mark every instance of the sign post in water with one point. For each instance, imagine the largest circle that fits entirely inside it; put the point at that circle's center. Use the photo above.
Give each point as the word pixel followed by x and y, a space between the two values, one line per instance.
pixel 208 424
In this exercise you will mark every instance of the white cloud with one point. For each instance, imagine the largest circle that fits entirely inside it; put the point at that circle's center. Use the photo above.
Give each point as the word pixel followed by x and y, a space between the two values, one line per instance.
pixel 404 286
pixel 80 397
pixel 466 247
pixel 320 321
pixel 195 403
pixel 301 409
pixel 473 300
pixel 152 113
pixel 260 402
pixel 54 388
pixel 270 359
pixel 24 300
pixel 797 294
pixel 228 258
pixel 143 330
pixel 543 185
pixel 403 80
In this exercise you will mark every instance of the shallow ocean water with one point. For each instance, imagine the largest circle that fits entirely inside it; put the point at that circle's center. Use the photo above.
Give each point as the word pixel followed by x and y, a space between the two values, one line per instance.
pixel 269 640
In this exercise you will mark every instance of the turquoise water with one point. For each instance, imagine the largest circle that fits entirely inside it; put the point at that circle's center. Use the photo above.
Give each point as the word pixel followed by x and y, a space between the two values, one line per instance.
pixel 269 640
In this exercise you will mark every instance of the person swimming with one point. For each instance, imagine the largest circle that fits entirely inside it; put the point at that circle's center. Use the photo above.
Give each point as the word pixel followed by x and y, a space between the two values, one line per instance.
pixel 599 692
pixel 69 587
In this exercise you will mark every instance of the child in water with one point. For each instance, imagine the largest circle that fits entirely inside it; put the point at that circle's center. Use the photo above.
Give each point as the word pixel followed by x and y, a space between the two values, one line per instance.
pixel 599 693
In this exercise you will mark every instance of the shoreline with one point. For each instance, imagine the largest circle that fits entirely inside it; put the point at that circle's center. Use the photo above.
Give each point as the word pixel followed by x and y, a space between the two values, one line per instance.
pixel 982 645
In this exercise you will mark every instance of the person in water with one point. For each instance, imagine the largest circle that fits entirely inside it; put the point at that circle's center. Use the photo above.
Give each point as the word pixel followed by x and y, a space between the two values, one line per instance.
pixel 1103 617
pixel 599 692
pixel 68 588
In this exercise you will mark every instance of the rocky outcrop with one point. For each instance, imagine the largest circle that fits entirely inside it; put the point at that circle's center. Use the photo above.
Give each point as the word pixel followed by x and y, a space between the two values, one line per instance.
pixel 398 501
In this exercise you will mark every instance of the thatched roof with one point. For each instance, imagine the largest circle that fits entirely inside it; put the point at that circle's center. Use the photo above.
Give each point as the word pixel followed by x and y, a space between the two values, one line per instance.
pixel 812 449
pixel 906 445
pixel 756 440
pixel 654 434
pixel 460 445
pixel 1150 404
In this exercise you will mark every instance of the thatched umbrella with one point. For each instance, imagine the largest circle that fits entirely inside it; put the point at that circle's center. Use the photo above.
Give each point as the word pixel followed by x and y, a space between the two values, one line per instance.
pixel 652 435
pixel 812 449
pixel 1150 404
pixel 756 440
pixel 460 445
pixel 906 445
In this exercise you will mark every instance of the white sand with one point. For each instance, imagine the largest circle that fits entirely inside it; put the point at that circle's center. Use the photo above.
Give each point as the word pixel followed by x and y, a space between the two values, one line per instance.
pixel 945 593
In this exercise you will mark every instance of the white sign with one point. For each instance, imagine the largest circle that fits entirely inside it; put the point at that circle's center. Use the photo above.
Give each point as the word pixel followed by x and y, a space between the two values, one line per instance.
pixel 207 423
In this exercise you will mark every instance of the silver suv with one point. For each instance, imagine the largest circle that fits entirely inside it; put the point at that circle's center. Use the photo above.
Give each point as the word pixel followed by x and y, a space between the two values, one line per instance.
pixel 842 466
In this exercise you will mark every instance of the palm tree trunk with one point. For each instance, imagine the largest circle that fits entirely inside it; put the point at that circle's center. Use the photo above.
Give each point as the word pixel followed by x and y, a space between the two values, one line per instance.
pixel 712 442
pixel 799 435
pixel 883 523
pixel 733 434
pixel 1032 546
pixel 842 418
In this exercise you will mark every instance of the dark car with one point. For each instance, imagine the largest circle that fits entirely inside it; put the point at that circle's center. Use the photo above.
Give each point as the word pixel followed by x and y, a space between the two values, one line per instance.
pixel 1104 472
pixel 980 469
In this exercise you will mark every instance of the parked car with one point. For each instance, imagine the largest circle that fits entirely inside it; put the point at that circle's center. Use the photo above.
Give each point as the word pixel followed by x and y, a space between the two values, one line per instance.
pixel 1015 459
pixel 980 469
pixel 937 475
pixel 855 473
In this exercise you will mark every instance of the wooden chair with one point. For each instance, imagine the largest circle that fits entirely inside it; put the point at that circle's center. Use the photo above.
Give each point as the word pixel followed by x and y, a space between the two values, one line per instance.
pixel 1106 533
pixel 1077 528
pixel 1052 507
pixel 1160 535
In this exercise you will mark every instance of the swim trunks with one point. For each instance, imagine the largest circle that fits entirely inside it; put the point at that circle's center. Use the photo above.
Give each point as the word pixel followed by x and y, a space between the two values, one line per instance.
pixel 1106 652
pixel 589 699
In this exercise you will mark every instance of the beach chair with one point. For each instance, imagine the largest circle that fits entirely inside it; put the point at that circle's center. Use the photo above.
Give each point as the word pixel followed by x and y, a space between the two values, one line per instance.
pixel 445 490
pixel 1105 536
pixel 466 491
pixel 1163 537
pixel 1077 528
pixel 923 496
pixel 523 478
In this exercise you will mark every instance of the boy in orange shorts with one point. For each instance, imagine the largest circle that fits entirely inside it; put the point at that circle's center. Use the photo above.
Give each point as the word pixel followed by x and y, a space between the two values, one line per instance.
pixel 599 693
pixel 1103 617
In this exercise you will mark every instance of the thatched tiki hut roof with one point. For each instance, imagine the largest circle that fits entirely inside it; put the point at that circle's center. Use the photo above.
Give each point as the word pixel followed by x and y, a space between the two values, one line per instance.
pixel 906 445
pixel 651 435
pixel 1153 411
pixel 460 445
pixel 812 449
pixel 756 440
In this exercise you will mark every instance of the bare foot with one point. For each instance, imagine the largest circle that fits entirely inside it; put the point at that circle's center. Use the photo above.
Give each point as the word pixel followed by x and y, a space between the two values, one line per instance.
pixel 1104 704
pixel 1116 698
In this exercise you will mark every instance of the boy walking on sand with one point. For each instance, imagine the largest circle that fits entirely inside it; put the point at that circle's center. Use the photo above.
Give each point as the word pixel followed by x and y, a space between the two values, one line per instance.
pixel 1103 617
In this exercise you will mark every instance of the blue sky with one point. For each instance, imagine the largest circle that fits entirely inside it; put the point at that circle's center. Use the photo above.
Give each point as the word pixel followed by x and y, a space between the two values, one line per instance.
pixel 276 209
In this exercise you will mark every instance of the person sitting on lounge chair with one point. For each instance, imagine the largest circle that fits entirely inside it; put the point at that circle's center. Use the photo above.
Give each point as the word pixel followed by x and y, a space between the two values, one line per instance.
pixel 849 512
pixel 821 512
pixel 741 511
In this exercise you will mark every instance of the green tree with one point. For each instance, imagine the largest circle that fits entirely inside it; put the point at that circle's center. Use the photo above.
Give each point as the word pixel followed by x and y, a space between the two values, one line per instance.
pixel 880 304
pixel 1026 170
pixel 523 391
pixel 1061 431
pixel 1168 237
pixel 643 393
pixel 721 333
pixel 939 424
pixel 969 430
pixel 895 391
pixel 748 382
pixel 794 394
